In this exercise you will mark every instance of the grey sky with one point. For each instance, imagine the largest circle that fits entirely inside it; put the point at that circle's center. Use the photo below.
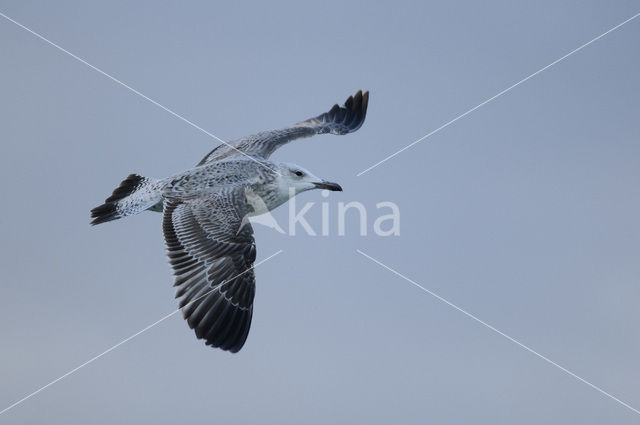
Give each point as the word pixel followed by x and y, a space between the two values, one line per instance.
pixel 524 213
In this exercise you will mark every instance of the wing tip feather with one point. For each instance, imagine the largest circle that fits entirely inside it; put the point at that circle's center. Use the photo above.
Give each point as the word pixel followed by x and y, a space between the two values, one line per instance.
pixel 349 117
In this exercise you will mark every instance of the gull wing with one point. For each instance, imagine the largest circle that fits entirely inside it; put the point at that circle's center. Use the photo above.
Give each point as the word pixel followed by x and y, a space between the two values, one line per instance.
pixel 339 120
pixel 212 252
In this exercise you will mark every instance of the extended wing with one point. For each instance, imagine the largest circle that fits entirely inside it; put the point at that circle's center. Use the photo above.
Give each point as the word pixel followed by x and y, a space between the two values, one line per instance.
pixel 339 120
pixel 212 254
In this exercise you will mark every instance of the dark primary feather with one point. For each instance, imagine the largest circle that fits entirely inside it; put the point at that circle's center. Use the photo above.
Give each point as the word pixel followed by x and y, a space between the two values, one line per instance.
pixel 339 120
pixel 212 260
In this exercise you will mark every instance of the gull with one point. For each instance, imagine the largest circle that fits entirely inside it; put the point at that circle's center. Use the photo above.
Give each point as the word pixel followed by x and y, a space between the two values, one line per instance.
pixel 209 241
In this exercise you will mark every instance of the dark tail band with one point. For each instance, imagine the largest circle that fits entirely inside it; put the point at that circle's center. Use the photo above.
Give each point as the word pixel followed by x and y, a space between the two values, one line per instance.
pixel 108 211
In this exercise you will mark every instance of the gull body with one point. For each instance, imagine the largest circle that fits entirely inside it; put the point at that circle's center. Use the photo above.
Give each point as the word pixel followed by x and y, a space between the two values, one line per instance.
pixel 274 183
pixel 209 240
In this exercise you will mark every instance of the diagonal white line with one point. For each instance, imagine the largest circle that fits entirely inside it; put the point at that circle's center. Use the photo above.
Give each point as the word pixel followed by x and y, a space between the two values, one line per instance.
pixel 91 360
pixel 515 341
pixel 114 79
pixel 497 95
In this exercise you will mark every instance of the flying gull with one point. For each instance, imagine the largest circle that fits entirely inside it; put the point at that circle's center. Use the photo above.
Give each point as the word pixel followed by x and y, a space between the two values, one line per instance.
pixel 210 244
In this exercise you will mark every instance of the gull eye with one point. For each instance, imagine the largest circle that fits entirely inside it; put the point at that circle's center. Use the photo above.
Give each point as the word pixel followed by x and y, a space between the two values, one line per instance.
pixel 298 173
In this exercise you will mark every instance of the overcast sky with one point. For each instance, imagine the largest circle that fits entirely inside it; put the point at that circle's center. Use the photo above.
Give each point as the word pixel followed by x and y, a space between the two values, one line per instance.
pixel 523 213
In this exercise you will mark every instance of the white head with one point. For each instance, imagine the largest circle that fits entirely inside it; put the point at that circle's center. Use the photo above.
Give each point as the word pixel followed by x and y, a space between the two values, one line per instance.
pixel 301 180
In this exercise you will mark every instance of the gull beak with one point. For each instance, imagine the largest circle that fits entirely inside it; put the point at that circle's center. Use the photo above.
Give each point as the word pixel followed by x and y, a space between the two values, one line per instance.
pixel 328 186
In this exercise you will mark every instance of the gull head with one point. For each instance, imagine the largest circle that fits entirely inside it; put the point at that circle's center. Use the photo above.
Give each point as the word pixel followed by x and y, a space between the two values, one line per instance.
pixel 300 180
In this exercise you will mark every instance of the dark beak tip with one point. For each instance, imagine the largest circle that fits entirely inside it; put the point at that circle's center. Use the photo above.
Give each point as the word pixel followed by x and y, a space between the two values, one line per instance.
pixel 335 187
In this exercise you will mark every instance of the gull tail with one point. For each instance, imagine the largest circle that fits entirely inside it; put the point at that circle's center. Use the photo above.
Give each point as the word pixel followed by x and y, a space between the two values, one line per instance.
pixel 135 194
